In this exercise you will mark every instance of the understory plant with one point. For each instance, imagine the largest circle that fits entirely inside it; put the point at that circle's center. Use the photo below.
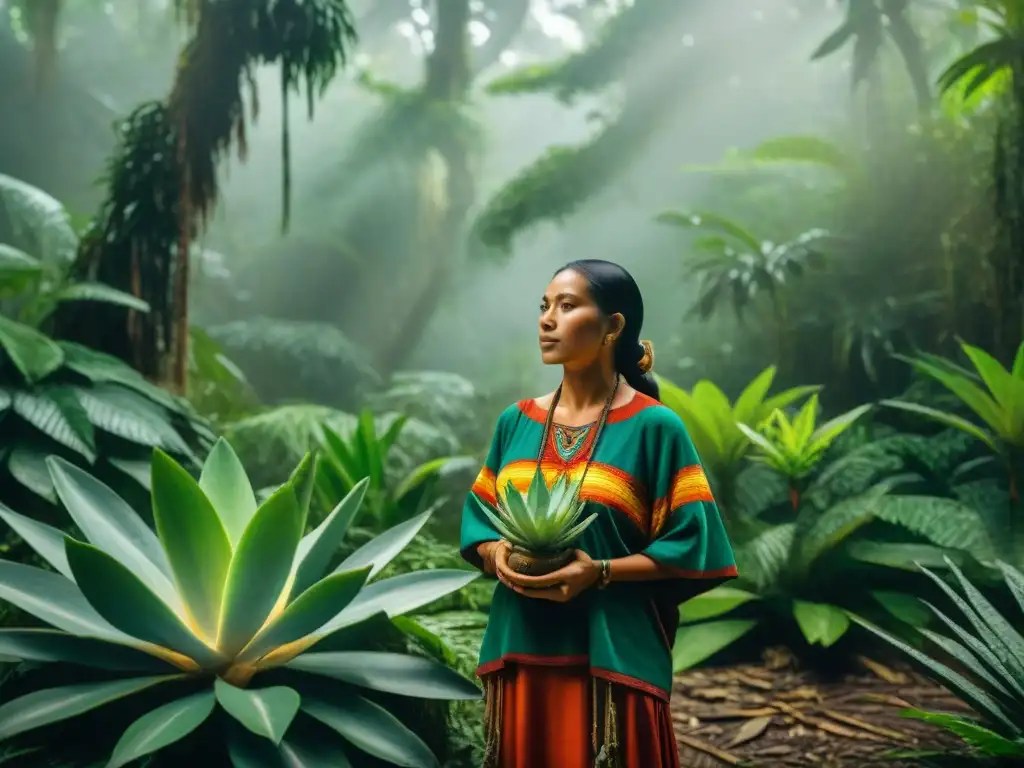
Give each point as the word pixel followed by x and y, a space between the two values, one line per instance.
pixel 798 563
pixel 980 658
pixel 396 491
pixel 794 448
pixel 712 422
pixel 226 613
pixel 995 396
pixel 61 398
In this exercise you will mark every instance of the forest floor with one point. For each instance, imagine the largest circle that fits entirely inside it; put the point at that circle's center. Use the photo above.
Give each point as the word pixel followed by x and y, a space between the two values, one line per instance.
pixel 775 714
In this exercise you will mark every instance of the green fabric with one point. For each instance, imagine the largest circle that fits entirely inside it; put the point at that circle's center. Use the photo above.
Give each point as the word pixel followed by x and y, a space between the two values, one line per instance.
pixel 621 629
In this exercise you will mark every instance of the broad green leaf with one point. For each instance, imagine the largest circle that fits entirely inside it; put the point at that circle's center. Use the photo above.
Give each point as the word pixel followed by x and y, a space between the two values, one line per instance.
pixel 54 599
pixel 121 598
pixel 17 269
pixel 900 555
pixel 697 642
pixel 313 753
pixel 197 546
pixel 372 729
pixel 48 645
pixel 34 354
pixel 310 611
pixel 786 397
pixel 260 569
pixel 389 672
pixel 706 436
pixel 53 705
pixel 1008 391
pixel 821 624
pixel 100 292
pixel 904 607
pixel 949 419
pixel 986 741
pixel 830 430
pixel 162 727
pixel 965 388
pixel 267 712
pixel 714 603
pixel 941 521
pixel 48 542
pixel 810 149
pixel 111 525
pixel 318 546
pixel 303 483
pixel 749 402
pixel 139 471
pixel 226 485
pixel 430 469
pixel 300 750
pixel 370 632
pixel 38 217
pixel 382 549
pixel 835 525
pixel 401 594
pixel 57 413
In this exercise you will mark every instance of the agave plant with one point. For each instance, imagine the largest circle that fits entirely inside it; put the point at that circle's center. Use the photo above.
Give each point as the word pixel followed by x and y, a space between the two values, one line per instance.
pixel 793 449
pixel 222 594
pixel 989 674
pixel 543 521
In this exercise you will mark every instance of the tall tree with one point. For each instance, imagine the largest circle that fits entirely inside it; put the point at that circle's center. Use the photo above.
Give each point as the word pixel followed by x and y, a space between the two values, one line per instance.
pixel 163 180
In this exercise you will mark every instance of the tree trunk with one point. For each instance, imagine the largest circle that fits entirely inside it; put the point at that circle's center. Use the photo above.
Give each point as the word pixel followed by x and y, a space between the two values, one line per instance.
pixel 447 83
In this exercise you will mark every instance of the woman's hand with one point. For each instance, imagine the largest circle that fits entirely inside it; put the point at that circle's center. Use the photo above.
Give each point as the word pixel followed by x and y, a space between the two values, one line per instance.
pixel 488 555
pixel 560 586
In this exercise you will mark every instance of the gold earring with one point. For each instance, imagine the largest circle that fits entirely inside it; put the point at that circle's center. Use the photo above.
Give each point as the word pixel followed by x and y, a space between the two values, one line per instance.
pixel 608 340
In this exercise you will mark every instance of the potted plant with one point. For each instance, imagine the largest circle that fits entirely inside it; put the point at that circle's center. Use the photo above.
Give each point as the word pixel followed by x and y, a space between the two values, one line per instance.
pixel 541 525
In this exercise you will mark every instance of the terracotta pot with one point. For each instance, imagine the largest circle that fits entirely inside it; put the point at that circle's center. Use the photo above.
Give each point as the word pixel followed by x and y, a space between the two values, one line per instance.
pixel 529 564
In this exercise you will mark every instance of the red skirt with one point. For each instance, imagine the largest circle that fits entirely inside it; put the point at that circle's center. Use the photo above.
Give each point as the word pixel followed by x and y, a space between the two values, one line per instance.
pixel 546 716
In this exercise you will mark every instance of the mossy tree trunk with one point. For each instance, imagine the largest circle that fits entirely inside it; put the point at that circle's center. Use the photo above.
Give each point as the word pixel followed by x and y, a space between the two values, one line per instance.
pixel 440 237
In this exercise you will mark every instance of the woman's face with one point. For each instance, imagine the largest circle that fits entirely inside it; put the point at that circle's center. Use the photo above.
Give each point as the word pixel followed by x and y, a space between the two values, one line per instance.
pixel 572 328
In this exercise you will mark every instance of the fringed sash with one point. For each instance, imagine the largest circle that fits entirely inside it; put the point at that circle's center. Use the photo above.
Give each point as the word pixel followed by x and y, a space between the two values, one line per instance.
pixel 604 723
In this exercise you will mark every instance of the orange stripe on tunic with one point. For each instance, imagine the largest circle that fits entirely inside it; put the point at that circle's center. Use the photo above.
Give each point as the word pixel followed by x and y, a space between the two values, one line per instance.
pixel 604 484
pixel 484 486
pixel 690 484
pixel 547 721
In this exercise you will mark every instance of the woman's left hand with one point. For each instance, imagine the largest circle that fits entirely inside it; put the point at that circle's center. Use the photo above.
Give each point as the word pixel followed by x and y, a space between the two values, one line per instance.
pixel 559 586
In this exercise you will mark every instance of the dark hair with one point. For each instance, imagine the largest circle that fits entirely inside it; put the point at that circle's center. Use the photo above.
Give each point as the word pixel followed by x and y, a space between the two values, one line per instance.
pixel 615 292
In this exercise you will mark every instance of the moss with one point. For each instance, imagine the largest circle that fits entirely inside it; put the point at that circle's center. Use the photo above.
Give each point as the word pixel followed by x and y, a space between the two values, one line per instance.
pixel 595 68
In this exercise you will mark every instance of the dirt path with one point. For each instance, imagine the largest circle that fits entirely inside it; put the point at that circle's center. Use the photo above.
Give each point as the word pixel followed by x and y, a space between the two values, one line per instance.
pixel 772 714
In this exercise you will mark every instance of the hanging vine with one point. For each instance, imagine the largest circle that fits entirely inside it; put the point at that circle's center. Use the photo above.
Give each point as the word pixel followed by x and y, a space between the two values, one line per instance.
pixel 163 180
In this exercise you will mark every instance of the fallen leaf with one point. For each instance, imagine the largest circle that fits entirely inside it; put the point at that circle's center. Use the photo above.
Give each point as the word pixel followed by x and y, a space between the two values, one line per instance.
pixel 750 730
pixel 883 672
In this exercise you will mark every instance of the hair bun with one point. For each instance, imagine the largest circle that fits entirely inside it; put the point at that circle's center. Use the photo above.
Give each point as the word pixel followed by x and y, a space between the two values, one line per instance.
pixel 646 362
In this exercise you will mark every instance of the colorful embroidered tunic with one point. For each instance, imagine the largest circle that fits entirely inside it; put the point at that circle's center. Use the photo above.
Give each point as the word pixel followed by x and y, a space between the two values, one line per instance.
pixel 652 497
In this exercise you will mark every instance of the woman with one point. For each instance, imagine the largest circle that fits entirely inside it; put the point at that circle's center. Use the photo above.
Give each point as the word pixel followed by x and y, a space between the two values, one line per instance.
pixel 577 665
